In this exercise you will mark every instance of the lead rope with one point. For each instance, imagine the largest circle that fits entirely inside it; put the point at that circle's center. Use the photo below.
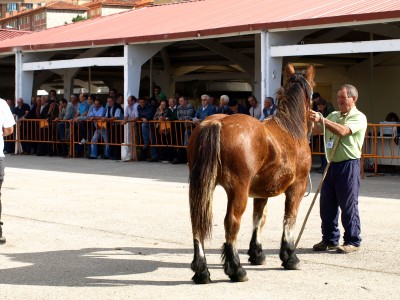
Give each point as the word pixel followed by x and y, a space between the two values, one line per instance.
pixel 320 183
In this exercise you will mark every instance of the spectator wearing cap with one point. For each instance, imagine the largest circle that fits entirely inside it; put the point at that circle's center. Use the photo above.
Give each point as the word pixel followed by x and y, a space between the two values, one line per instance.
pixel 269 108
pixel 255 107
pixel 237 108
pixel 316 97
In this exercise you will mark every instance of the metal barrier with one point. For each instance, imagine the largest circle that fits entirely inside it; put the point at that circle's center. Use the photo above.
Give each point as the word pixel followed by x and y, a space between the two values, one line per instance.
pixel 380 146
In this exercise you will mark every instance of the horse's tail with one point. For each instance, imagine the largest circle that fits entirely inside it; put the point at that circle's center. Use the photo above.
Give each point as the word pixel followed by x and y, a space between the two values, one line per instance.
pixel 203 177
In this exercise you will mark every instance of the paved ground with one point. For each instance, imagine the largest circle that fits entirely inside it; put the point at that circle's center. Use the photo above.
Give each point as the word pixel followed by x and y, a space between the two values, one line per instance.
pixel 82 229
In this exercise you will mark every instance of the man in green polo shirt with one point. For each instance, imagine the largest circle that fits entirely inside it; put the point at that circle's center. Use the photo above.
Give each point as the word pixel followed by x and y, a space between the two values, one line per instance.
pixel 342 182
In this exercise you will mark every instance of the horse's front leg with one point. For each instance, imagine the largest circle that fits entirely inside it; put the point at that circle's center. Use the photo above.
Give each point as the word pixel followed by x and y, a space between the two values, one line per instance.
pixel 230 256
pixel 199 264
pixel 287 254
pixel 256 254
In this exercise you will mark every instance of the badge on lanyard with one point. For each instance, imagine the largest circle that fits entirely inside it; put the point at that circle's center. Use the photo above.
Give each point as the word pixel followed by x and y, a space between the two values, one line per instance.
pixel 329 144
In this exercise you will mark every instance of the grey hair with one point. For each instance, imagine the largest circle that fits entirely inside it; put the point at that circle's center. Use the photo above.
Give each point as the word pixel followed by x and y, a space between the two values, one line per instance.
pixel 351 91
pixel 205 95
pixel 225 98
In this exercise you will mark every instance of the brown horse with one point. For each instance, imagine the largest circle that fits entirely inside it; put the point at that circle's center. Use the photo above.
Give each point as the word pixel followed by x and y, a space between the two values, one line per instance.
pixel 251 158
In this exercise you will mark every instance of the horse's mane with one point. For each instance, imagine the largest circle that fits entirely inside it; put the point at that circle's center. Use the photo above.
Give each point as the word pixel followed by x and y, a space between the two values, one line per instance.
pixel 292 105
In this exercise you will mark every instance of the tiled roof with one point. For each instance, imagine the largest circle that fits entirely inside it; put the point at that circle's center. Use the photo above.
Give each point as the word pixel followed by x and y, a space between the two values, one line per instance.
pixel 204 18
pixel 61 5
pixel 11 33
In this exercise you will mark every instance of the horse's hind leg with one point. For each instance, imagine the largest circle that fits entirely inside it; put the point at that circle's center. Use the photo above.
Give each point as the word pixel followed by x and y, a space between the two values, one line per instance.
pixel 199 264
pixel 257 256
pixel 287 254
pixel 230 256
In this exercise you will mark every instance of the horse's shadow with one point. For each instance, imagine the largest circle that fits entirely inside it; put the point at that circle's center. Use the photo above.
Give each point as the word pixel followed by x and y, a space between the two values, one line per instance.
pixel 96 266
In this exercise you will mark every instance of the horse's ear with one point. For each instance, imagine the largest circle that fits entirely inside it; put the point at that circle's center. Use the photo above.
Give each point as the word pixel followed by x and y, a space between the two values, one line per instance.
pixel 289 70
pixel 310 74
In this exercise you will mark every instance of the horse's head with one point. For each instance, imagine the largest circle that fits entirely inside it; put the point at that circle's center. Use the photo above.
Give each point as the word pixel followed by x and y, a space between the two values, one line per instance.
pixel 304 79
pixel 294 100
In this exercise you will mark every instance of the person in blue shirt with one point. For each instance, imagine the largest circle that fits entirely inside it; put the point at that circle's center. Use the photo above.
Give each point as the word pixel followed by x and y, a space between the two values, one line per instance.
pixel 97 114
pixel 146 113
pixel 204 111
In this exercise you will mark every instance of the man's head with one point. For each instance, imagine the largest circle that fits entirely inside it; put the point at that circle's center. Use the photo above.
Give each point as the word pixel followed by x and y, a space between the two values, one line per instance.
pixel 223 100
pixel 316 96
pixel 321 104
pixel 74 99
pixel 53 95
pixel 131 100
pixel 252 101
pixel 142 102
pixel 20 101
pixel 112 93
pixel 156 90
pixel 110 101
pixel 96 103
pixel 347 97
pixel 211 100
pixel 268 102
pixel 63 102
pixel 43 100
pixel 172 102
pixel 120 99
pixel 183 101
pixel 163 105
pixel 82 97
pixel 91 99
pixel 10 103
pixel 205 100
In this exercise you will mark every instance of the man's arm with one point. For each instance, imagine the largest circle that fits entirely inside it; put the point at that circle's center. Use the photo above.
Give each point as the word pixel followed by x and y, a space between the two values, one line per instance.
pixel 335 128
pixel 7 131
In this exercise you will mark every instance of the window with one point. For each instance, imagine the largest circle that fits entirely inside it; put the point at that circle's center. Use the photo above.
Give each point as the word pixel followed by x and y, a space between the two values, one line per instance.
pixel 28 5
pixel 11 6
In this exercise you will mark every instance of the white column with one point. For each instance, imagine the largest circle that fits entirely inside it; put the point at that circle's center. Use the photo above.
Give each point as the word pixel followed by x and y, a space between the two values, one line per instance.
pixel 134 57
pixel 23 79
pixel 271 67
pixel 258 80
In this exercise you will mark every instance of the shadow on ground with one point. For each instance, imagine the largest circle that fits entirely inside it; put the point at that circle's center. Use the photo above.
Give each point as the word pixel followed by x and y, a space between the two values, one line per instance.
pixel 84 267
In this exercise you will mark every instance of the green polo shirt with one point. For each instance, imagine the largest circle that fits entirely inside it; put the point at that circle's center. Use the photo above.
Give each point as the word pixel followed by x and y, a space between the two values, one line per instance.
pixel 349 146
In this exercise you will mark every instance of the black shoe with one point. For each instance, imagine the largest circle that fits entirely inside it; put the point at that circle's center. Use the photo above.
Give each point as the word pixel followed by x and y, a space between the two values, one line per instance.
pixel 324 246
pixel 2 238
pixel 176 161
pixel 92 157
pixel 153 159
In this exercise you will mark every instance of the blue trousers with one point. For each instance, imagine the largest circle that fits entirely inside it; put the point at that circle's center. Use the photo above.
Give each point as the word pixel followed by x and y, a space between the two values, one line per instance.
pixel 340 190
pixel 149 138
pixel 99 135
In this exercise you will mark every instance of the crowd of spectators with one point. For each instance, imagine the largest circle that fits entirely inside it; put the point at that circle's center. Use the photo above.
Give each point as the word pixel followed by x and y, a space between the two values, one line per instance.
pixel 94 123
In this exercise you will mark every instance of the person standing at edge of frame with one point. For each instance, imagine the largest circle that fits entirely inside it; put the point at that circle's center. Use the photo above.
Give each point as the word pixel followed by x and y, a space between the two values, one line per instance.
pixel 7 122
pixel 341 185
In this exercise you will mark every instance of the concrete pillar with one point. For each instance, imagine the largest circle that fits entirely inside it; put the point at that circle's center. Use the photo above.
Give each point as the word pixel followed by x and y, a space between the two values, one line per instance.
pixel 68 76
pixel 23 79
pixel 135 56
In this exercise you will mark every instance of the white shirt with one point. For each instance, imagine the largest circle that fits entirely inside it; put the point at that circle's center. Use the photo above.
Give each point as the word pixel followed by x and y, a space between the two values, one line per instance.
pixel 256 111
pixel 6 121
pixel 131 111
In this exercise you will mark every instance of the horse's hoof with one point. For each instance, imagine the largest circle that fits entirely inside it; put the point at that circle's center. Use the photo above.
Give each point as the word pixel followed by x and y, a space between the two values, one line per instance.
pixel 202 278
pixel 257 260
pixel 240 276
pixel 292 264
